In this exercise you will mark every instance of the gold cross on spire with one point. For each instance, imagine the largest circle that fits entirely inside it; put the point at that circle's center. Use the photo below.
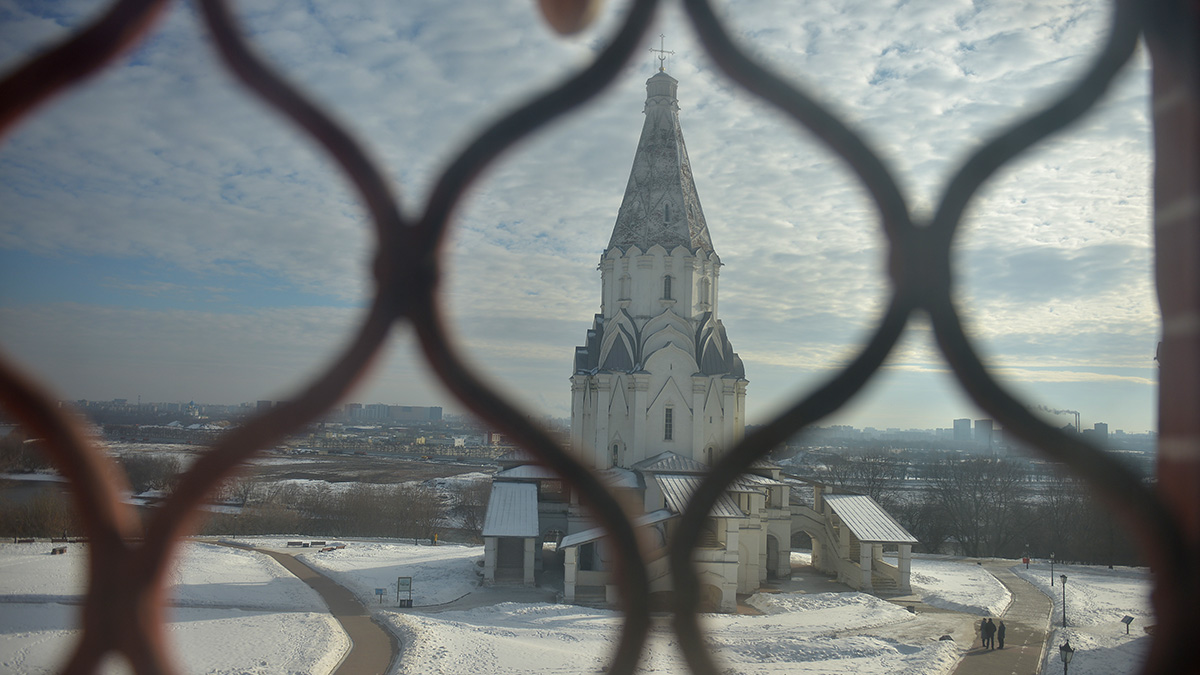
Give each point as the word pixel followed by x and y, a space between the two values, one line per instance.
pixel 662 53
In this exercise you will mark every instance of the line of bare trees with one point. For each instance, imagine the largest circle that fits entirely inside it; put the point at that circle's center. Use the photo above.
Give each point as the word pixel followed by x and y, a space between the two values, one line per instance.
pixel 985 507
pixel 362 510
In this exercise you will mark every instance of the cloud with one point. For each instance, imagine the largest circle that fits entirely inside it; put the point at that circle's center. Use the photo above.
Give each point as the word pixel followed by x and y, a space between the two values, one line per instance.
pixel 164 158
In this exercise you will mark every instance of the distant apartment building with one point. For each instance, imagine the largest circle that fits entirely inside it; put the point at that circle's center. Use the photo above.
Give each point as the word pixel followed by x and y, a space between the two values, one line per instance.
pixel 382 412
pixel 962 430
pixel 983 433
pixel 1098 433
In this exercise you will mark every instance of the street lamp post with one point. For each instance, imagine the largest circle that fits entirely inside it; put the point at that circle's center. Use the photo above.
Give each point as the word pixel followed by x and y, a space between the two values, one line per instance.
pixel 1065 653
pixel 1052 570
pixel 1063 578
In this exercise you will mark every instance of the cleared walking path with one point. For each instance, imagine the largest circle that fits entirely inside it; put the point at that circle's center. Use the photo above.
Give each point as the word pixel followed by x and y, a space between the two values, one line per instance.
pixel 372 648
pixel 1027 621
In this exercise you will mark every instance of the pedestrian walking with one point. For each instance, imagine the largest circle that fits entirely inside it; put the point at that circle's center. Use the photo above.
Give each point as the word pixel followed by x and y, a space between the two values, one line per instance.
pixel 1000 634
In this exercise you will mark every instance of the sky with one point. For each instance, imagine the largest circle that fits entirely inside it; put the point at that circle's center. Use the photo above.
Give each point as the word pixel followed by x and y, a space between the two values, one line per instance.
pixel 163 235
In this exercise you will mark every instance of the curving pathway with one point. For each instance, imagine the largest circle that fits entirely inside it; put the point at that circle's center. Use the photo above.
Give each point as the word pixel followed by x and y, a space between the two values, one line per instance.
pixel 372 648
pixel 1027 621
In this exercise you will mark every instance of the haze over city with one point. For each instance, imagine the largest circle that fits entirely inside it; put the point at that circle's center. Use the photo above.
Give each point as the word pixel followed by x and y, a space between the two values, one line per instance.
pixel 164 236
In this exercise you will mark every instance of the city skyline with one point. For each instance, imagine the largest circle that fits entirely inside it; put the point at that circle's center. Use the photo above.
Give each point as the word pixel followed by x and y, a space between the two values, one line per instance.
pixel 165 236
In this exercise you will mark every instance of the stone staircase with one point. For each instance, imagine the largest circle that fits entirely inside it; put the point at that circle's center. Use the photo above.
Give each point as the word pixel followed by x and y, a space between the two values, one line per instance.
pixel 882 584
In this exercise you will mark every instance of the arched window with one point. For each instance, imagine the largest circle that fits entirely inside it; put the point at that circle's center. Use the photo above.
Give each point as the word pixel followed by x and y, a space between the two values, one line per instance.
pixel 616 455
pixel 704 286
pixel 667 287
pixel 624 283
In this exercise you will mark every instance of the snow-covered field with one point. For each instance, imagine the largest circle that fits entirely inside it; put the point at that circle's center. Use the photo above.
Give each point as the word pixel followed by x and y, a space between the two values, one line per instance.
pixel 237 612
pixel 1097 599
pixel 240 612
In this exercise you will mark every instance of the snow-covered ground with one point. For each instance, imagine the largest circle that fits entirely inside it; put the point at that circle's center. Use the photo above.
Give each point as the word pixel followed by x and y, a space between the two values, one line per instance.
pixel 951 584
pixel 237 612
pixel 1097 599
pixel 240 612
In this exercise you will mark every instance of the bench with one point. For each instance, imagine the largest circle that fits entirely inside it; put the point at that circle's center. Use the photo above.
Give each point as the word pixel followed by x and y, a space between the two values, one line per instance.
pixel 58 550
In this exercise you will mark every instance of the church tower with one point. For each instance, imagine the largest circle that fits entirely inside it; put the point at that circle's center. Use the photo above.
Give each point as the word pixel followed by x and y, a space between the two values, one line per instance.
pixel 657 372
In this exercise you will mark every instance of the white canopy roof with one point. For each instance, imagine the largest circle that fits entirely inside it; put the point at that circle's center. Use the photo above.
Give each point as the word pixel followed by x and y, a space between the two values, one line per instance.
pixel 867 520
pixel 512 511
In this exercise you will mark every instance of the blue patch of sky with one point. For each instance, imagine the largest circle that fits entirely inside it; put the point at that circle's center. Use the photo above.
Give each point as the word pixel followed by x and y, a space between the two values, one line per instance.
pixel 882 75
pixel 143 283
pixel 64 14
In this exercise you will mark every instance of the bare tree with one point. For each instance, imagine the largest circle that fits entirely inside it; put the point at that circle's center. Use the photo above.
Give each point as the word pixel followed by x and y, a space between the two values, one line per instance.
pixel 982 500
pixel 875 474
pixel 472 505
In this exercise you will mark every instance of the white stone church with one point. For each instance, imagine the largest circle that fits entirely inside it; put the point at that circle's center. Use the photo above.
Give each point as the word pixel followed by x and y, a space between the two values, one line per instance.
pixel 657 396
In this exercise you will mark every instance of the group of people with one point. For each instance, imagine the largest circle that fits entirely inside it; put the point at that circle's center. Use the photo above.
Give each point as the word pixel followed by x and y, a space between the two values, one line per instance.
pixel 991 634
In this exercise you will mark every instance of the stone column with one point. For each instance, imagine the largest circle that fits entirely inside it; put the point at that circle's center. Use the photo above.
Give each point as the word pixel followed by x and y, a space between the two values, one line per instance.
pixel 904 565
pixel 530 552
pixel 641 386
pixel 864 561
pixel 570 562
pixel 600 449
pixel 699 419
pixel 489 559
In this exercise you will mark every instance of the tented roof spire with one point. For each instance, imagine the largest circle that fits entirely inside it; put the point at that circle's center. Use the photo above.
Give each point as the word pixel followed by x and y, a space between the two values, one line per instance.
pixel 661 205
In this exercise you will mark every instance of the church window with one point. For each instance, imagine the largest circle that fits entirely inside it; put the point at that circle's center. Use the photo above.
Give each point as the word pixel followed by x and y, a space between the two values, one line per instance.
pixel 624 286
pixel 704 284
pixel 667 287
pixel 666 213
pixel 616 454
pixel 668 424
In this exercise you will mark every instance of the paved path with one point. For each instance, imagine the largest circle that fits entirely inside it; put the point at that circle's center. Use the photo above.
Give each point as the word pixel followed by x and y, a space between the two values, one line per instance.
pixel 1027 621
pixel 372 648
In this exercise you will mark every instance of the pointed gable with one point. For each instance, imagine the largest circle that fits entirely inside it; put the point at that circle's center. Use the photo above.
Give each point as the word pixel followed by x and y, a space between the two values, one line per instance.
pixel 661 205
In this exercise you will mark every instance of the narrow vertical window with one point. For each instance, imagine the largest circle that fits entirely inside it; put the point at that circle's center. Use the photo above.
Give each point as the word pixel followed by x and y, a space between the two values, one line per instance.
pixel 666 213
pixel 616 450
pixel 666 288
pixel 668 424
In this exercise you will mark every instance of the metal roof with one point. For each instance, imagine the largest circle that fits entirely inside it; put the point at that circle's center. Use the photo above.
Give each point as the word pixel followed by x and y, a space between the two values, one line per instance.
pixel 661 175
pixel 764 463
pixel 756 481
pixel 620 478
pixel 678 492
pixel 597 532
pixel 512 511
pixel 669 462
pixel 868 521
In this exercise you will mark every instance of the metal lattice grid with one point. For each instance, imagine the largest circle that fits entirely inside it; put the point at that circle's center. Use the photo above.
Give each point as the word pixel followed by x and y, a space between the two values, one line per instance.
pixel 125 601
